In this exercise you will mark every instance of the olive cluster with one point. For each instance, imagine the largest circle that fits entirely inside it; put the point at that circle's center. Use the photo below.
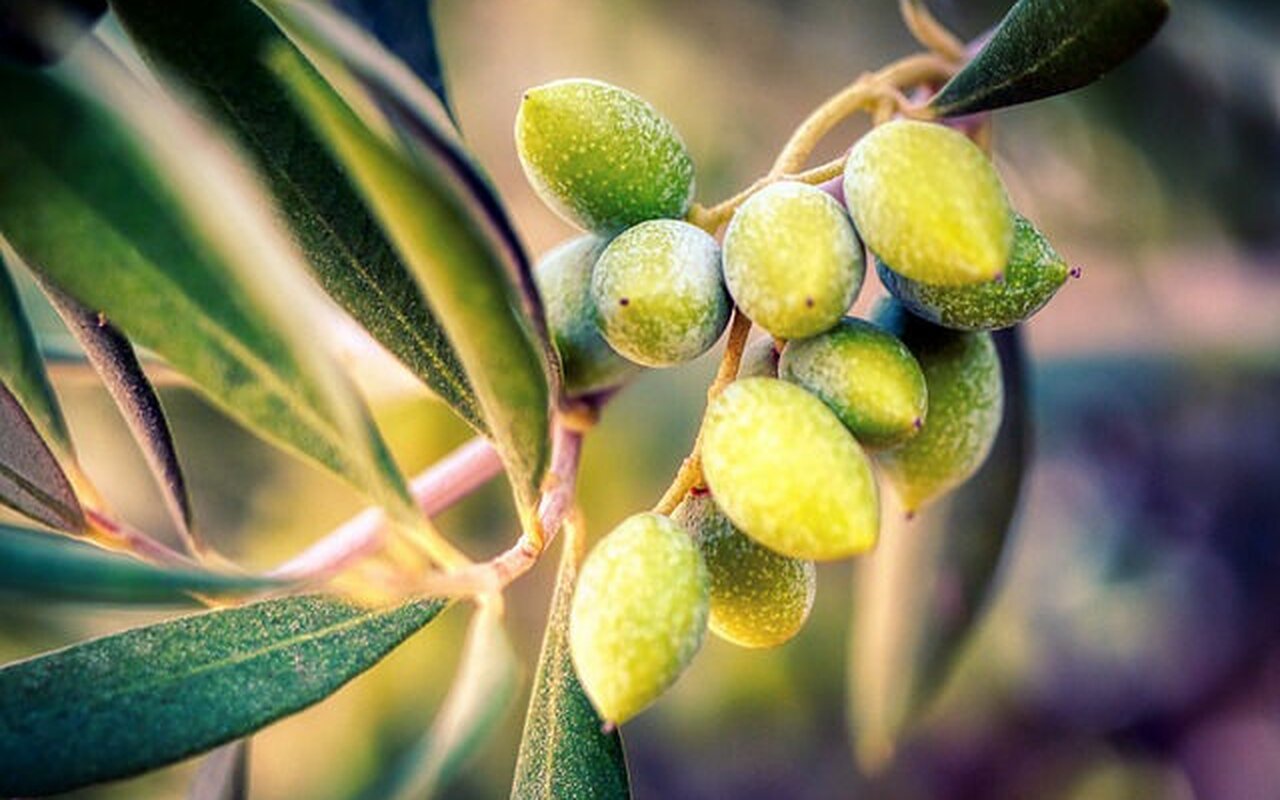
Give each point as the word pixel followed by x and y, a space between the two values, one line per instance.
pixel 787 449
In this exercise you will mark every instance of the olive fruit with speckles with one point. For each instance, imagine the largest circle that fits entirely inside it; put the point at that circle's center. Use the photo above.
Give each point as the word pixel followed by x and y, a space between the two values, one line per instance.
pixel 928 201
pixel 1034 273
pixel 759 598
pixel 966 399
pixel 866 375
pixel 639 614
pixel 759 359
pixel 792 261
pixel 658 294
pixel 787 472
pixel 564 282
pixel 602 157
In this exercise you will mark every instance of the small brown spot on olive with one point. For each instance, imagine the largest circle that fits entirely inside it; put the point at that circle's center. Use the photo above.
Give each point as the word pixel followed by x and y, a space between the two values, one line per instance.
pixel 808 302
pixel 624 301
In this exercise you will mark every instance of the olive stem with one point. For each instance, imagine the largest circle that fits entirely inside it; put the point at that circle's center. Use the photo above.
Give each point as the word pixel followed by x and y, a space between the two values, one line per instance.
pixel 929 32
pixel 690 472
pixel 710 219
pixel 113 534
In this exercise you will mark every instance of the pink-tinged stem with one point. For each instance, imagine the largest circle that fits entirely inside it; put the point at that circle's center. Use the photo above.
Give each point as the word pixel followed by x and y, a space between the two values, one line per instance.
pixel 439 487
pixel 129 539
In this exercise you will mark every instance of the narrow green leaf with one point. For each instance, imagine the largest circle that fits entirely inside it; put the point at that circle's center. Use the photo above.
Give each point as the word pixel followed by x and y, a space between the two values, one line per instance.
pixel 22 370
pixel 564 751
pixel 408 31
pixel 464 278
pixel 48 566
pixel 115 362
pixel 218 50
pixel 137 210
pixel 224 774
pixel 127 703
pixel 921 594
pixel 31 480
pixel 488 676
pixel 1046 47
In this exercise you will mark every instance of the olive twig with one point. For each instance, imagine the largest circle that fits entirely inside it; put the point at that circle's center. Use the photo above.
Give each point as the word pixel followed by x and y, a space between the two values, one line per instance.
pixel 711 218
pixel 113 534
pixel 929 32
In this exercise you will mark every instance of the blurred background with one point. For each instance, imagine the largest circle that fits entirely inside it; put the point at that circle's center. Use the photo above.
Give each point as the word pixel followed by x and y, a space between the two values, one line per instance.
pixel 1132 648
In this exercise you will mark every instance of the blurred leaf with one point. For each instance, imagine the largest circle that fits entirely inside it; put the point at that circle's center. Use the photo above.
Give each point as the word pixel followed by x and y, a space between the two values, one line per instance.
pixel 49 566
pixel 121 705
pixel 1046 47
pixel 440 236
pixel 115 362
pixel 138 211
pixel 406 29
pixel 218 50
pixel 22 370
pixel 920 595
pixel 37 32
pixel 31 481
pixel 564 751
pixel 224 774
pixel 488 675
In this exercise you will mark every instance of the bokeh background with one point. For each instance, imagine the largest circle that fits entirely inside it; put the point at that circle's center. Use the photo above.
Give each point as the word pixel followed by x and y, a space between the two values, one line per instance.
pixel 1132 649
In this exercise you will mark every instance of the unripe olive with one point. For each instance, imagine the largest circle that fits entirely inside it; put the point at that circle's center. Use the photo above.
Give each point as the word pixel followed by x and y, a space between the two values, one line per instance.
pixel 759 598
pixel 1034 273
pixel 929 202
pixel 658 294
pixel 866 375
pixel 564 282
pixel 602 157
pixel 639 614
pixel 792 261
pixel 966 399
pixel 787 472
pixel 759 359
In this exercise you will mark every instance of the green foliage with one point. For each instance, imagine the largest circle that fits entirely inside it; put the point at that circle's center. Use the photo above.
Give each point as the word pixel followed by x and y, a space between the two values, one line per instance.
pixel 658 293
pixel 54 567
pixel 117 706
pixel 565 751
pixel 792 261
pixel 443 243
pixel 220 50
pixel 1033 275
pixel 109 205
pixel 31 480
pixel 1046 47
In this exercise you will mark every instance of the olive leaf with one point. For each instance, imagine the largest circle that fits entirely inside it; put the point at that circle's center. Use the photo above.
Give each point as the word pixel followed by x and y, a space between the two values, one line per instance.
pixel 133 207
pixel 120 705
pixel 31 480
pixel 919 596
pixel 224 774
pixel 408 31
pixel 218 50
pixel 431 210
pixel 564 751
pixel 54 567
pixel 488 675
pixel 1046 47
pixel 114 360
pixel 22 369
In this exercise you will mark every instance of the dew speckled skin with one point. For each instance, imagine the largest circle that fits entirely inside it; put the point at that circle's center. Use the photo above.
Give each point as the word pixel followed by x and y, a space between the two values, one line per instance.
pixel 1034 273
pixel 866 375
pixel 759 598
pixel 564 281
pixel 658 294
pixel 928 201
pixel 601 156
pixel 760 359
pixel 966 400
pixel 792 261
pixel 639 614
pixel 787 472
